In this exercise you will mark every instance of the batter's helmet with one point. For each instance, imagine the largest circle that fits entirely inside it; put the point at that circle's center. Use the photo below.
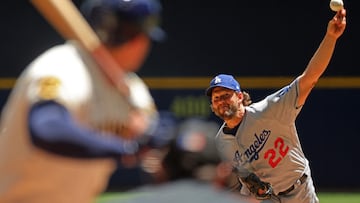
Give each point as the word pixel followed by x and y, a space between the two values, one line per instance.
pixel 116 21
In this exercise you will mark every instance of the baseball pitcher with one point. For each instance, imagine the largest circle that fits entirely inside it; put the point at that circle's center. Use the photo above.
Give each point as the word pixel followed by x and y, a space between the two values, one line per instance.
pixel 261 138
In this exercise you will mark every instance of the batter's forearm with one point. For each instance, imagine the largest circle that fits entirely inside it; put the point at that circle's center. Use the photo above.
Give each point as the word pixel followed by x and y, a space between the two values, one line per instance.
pixel 53 129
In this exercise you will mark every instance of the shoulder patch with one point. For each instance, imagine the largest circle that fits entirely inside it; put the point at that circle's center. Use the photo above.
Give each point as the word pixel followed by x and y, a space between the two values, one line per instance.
pixel 48 87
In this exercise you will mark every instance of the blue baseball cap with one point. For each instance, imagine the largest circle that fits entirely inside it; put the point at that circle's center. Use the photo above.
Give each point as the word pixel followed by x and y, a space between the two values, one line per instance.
pixel 223 80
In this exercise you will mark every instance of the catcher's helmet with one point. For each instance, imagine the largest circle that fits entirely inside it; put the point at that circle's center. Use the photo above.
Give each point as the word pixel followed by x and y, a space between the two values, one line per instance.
pixel 116 21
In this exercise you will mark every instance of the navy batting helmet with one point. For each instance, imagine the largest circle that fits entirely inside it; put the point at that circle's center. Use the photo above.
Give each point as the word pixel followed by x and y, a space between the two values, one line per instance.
pixel 116 21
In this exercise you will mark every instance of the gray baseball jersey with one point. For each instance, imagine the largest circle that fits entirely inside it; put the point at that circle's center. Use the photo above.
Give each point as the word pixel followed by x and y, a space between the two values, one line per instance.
pixel 266 141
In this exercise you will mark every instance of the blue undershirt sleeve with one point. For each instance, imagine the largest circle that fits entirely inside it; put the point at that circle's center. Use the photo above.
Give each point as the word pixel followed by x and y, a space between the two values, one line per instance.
pixel 53 129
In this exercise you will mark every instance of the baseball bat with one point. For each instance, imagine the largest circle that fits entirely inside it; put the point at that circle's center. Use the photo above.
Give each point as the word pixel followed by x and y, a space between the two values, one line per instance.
pixel 67 20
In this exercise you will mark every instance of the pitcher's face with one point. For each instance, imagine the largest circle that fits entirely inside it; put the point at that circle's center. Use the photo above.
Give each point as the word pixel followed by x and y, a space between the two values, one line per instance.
pixel 225 102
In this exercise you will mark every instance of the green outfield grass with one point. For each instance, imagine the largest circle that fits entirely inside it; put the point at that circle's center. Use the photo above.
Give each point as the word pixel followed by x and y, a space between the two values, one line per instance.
pixel 112 196
pixel 325 197
pixel 339 197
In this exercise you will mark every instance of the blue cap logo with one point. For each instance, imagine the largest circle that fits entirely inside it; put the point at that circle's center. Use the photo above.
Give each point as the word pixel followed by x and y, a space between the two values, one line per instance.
pixel 223 80
pixel 217 80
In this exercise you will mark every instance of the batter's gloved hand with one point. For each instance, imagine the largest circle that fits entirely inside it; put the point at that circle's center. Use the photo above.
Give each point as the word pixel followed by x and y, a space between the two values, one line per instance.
pixel 261 190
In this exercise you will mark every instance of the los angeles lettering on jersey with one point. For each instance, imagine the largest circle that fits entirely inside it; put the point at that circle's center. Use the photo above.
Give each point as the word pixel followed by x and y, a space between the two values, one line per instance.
pixel 252 152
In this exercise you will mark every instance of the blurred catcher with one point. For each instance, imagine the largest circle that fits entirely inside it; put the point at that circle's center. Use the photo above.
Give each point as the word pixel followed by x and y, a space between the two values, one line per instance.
pixel 191 169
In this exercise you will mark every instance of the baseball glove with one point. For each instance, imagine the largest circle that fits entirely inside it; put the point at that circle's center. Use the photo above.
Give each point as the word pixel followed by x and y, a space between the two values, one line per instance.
pixel 261 190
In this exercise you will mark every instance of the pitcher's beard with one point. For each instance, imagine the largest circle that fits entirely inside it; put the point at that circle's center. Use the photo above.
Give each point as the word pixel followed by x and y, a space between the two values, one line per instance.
pixel 228 114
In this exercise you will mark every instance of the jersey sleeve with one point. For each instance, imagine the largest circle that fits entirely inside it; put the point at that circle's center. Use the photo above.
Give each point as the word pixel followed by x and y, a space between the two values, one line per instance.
pixel 58 75
pixel 283 104
pixel 53 129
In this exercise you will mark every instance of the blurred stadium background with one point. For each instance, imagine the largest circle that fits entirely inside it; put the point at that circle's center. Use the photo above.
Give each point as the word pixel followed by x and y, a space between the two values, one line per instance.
pixel 265 44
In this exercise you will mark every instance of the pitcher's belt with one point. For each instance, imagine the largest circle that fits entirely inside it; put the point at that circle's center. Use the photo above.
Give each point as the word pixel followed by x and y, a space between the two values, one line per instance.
pixel 302 179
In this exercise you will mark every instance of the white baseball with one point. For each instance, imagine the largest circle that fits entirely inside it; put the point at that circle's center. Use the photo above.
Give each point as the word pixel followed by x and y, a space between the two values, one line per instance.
pixel 336 5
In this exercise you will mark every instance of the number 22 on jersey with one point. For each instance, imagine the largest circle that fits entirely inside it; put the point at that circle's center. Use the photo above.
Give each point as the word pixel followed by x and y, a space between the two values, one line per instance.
pixel 277 153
